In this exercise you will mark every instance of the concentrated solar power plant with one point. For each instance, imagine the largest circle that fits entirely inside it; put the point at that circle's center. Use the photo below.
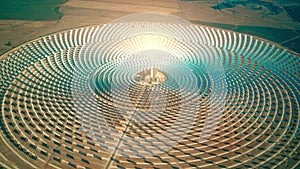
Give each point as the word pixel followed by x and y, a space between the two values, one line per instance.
pixel 150 91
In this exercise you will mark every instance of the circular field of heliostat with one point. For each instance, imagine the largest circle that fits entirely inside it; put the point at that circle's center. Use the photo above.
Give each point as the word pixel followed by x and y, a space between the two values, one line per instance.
pixel 149 91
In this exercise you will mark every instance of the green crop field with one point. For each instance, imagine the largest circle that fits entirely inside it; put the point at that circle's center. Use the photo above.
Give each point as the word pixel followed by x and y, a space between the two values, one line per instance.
pixel 31 9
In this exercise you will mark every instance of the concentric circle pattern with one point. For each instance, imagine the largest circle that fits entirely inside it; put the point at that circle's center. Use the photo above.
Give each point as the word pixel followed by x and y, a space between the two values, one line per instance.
pixel 228 100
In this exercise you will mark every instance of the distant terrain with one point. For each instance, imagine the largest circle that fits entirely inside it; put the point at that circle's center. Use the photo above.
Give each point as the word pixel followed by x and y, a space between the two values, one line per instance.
pixel 35 10
pixel 294 12
pixel 289 38
pixel 268 8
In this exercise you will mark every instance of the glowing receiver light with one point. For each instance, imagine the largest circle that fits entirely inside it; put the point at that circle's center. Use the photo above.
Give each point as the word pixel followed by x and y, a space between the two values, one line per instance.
pixel 150 41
